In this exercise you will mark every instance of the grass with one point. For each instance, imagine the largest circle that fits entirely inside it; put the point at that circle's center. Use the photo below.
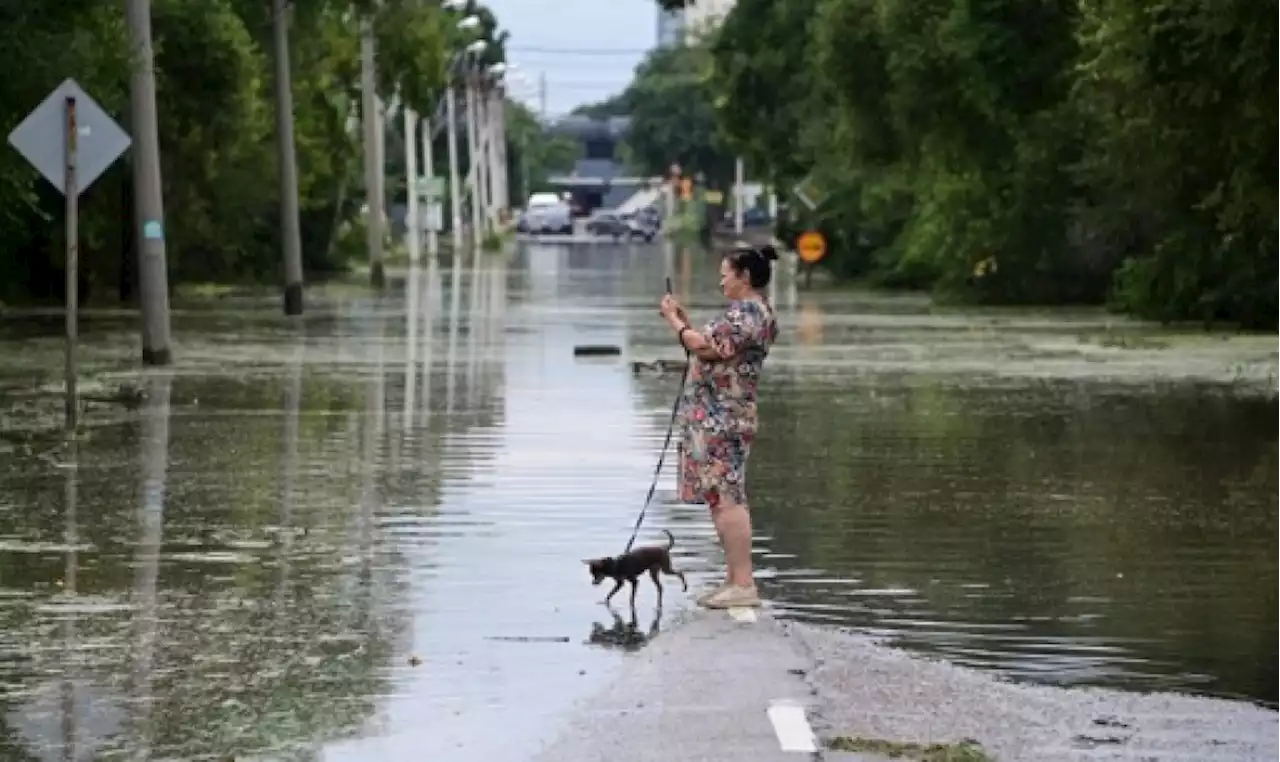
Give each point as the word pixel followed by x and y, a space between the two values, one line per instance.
pixel 961 751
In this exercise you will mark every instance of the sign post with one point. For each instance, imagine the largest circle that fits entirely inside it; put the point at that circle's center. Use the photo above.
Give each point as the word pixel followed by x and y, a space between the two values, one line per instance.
pixel 811 247
pixel 72 196
pixel 71 141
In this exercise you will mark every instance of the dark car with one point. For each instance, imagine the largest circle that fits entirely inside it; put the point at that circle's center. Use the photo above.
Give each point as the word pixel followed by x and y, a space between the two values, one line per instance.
pixel 752 217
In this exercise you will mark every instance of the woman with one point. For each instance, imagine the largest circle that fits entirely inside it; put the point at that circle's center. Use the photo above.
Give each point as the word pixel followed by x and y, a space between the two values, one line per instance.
pixel 718 410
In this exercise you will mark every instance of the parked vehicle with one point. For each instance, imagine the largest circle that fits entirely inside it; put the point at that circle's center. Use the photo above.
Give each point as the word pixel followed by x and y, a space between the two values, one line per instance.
pixel 649 216
pixel 545 213
pixel 619 226
pixel 752 217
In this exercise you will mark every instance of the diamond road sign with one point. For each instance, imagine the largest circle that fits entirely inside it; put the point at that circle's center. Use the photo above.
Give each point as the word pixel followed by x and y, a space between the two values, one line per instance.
pixel 810 193
pixel 41 137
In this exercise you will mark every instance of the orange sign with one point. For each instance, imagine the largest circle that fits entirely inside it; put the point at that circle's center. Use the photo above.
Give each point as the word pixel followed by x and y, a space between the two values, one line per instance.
pixel 811 246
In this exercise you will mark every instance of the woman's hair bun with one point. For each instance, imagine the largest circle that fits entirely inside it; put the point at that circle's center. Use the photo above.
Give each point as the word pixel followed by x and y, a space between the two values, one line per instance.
pixel 768 252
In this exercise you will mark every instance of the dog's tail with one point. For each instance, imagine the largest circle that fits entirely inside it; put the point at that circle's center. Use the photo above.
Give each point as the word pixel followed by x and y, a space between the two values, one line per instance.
pixel 671 539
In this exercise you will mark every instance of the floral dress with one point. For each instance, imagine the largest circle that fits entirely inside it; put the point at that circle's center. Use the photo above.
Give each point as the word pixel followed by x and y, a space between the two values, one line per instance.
pixel 718 415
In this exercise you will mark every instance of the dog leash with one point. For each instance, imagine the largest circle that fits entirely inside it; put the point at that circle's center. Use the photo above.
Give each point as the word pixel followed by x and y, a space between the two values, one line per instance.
pixel 671 425
pixel 662 456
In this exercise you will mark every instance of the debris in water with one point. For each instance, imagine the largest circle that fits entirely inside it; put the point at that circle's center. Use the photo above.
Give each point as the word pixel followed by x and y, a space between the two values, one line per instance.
pixel 596 350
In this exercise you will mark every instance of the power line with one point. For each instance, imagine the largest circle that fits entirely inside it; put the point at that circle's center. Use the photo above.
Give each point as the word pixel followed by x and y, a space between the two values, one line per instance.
pixel 579 51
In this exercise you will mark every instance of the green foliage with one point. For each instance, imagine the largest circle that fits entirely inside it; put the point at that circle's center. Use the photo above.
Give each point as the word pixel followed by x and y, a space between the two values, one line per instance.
pixel 1011 151
pixel 534 153
pixel 615 105
pixel 673 117
pixel 216 112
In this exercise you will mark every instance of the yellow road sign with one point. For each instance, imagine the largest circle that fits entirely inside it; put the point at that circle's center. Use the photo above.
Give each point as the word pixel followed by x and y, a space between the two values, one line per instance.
pixel 811 246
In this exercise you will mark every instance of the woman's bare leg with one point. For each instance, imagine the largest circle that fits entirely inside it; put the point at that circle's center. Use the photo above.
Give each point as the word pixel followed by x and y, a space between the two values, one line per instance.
pixel 733 524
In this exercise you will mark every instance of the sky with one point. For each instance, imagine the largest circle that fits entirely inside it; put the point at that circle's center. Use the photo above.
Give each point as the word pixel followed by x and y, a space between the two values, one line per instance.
pixel 585 49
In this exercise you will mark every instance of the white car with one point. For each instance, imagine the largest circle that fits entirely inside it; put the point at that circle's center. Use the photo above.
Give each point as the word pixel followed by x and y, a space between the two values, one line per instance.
pixel 545 213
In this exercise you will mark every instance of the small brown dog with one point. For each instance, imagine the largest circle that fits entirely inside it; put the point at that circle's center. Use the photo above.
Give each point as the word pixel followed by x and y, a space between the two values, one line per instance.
pixel 629 566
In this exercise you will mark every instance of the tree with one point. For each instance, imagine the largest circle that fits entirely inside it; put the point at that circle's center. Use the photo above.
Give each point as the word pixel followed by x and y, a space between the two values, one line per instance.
pixel 213 66
pixel 673 117
pixel 534 153
pixel 1022 151
pixel 764 99
pixel 1180 99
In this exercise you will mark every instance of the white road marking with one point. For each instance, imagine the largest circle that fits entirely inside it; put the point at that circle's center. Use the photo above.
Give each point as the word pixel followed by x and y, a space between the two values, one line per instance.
pixel 742 614
pixel 791 726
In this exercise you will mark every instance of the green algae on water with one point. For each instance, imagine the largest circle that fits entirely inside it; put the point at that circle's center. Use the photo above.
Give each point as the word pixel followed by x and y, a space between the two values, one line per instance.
pixel 966 750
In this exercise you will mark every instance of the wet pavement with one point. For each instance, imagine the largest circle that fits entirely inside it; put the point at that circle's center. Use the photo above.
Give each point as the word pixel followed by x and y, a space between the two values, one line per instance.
pixel 357 536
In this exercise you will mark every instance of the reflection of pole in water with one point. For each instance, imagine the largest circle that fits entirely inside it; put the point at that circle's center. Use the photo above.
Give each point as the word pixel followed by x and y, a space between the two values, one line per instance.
pixel 497 302
pixel 374 417
pixel 668 260
pixel 411 349
pixel 70 635
pixel 393 449
pixel 686 275
pixel 428 338
pixel 146 572
pixel 778 266
pixel 455 304
pixel 473 319
pixel 292 405
pixel 793 268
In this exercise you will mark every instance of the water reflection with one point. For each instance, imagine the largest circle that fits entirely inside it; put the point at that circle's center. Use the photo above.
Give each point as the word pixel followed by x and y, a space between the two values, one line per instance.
pixel 249 562
pixel 1064 533
pixel 244 605
pixel 1048 529
pixel 154 467
pixel 625 634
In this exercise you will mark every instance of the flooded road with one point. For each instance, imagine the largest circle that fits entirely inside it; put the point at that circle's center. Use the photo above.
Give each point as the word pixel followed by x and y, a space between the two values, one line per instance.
pixel 358 536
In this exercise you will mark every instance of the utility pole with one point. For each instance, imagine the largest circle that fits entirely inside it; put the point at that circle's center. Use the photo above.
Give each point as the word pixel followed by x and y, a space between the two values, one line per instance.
pixel 737 195
pixel 411 228
pixel 484 174
pixel 499 116
pixel 455 190
pixel 372 171
pixel 490 154
pixel 474 165
pixel 290 233
pixel 480 158
pixel 429 171
pixel 153 273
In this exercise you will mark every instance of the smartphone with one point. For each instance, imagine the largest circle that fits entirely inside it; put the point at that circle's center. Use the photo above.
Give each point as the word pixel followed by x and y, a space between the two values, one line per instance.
pixel 669 291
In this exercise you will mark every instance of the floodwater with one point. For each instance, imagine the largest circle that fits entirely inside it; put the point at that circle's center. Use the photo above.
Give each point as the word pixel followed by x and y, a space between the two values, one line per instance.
pixel 358 536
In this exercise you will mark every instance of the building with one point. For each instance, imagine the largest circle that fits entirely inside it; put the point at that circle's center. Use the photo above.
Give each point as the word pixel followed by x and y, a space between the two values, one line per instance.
pixel 670 27
pixel 703 16
pixel 597 179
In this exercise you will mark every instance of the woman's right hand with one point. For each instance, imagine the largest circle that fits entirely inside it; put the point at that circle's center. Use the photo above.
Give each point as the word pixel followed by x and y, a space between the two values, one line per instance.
pixel 672 311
